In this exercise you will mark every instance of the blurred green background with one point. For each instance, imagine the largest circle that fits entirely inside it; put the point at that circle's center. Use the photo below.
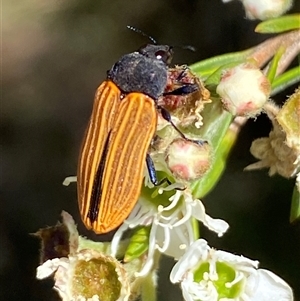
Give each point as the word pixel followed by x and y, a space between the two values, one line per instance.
pixel 54 55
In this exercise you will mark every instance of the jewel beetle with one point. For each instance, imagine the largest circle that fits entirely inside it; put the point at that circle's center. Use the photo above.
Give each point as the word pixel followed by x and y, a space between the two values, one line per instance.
pixel 119 133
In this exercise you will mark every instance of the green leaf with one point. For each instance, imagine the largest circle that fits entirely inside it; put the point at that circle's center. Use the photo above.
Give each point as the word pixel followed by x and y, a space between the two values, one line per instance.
pixel 138 244
pixel 207 67
pixel 295 206
pixel 285 80
pixel 274 64
pixel 149 287
pixel 216 122
pixel 281 24
pixel 215 77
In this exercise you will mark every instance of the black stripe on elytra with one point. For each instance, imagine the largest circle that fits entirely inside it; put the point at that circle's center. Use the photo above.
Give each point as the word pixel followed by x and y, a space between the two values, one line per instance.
pixel 97 189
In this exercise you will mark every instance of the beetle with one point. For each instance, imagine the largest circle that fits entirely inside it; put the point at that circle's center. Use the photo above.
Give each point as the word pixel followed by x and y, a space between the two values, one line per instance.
pixel 121 127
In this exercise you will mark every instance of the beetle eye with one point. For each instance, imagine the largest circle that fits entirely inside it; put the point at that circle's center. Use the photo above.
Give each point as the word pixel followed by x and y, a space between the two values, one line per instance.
pixel 160 54
pixel 164 56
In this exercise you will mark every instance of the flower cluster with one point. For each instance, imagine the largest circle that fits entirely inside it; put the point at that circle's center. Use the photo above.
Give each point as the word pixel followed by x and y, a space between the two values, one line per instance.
pixel 90 270
pixel 88 273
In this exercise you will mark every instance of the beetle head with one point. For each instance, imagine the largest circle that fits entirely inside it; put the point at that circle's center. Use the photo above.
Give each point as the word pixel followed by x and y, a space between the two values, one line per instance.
pixel 163 53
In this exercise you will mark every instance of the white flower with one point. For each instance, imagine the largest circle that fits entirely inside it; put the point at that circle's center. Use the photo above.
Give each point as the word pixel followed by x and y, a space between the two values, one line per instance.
pixel 206 274
pixel 244 90
pixel 171 226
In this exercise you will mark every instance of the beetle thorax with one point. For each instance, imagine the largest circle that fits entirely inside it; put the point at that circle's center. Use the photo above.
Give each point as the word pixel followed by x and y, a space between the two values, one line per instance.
pixel 135 72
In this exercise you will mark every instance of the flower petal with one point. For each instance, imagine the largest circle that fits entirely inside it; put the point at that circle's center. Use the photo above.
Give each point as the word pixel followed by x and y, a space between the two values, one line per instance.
pixel 268 287
pixel 189 260
pixel 48 268
pixel 217 225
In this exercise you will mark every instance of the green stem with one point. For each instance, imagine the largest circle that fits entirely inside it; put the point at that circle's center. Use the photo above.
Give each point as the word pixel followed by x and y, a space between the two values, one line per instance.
pixel 148 289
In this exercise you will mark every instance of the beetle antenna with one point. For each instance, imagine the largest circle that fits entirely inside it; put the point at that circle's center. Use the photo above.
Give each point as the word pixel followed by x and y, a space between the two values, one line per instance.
pixel 142 33
pixel 186 47
pixel 189 47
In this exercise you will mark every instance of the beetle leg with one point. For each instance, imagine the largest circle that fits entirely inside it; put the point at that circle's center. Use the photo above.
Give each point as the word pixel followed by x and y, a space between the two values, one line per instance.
pixel 152 173
pixel 182 74
pixel 183 90
pixel 167 116
pixel 153 176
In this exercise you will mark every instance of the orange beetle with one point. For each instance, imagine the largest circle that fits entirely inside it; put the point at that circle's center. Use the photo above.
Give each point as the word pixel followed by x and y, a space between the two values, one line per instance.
pixel 120 130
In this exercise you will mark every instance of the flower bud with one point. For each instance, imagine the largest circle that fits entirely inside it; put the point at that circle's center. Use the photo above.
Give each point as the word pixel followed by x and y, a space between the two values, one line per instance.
pixel 244 90
pixel 188 160
pixel 262 10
